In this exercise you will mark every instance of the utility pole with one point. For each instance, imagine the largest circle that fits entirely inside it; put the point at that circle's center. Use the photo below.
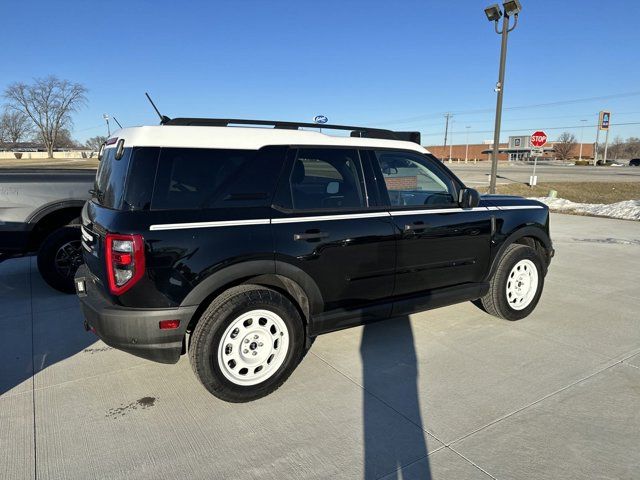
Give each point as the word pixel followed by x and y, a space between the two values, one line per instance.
pixel 606 146
pixel 581 137
pixel 447 116
pixel 511 8
pixel 595 152
pixel 466 150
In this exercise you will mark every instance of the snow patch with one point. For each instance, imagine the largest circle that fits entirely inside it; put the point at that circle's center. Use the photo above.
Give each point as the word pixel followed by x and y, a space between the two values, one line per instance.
pixel 627 210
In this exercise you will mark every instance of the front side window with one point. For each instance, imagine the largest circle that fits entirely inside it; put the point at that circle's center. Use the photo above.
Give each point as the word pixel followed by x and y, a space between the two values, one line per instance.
pixel 326 179
pixel 411 181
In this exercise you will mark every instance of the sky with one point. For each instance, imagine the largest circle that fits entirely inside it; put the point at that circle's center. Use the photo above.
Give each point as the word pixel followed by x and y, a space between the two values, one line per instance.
pixel 398 65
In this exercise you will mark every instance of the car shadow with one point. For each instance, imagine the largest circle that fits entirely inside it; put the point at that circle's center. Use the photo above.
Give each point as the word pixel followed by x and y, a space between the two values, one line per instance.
pixel 40 326
pixel 390 374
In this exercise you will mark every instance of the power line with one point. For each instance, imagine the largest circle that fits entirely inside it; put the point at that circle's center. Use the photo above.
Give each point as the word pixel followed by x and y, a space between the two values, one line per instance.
pixel 538 127
pixel 518 107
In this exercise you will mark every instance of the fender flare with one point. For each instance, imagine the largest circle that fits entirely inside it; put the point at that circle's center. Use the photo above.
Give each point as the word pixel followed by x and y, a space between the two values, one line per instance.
pixel 52 207
pixel 280 273
pixel 529 231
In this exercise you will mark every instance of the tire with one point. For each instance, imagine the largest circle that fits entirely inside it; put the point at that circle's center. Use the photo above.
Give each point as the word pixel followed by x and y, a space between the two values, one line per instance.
pixel 267 350
pixel 59 257
pixel 516 286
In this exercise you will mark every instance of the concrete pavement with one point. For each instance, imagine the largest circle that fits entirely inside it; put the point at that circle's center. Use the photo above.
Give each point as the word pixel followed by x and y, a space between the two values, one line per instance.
pixel 447 394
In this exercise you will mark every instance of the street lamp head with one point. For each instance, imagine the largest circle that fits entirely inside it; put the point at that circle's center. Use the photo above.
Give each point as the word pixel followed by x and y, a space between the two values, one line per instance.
pixel 493 13
pixel 512 7
pixel 105 116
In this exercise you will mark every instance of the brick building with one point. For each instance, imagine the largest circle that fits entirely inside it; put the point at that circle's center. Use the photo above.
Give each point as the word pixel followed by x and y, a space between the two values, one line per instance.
pixel 518 148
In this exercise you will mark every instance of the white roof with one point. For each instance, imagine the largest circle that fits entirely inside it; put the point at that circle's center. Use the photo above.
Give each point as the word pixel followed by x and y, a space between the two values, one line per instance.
pixel 244 138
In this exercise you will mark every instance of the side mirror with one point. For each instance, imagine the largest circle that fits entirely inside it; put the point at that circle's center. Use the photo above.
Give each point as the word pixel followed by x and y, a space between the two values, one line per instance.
pixel 390 170
pixel 469 198
pixel 333 188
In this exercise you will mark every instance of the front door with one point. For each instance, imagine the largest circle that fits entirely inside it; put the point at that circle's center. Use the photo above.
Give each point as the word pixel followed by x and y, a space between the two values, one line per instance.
pixel 323 225
pixel 440 244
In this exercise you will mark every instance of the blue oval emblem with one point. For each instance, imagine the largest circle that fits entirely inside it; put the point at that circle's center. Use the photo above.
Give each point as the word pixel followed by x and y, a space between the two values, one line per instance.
pixel 320 119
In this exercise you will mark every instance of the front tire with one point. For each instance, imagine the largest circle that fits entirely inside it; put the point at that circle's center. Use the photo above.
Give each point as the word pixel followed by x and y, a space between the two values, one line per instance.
pixel 516 286
pixel 59 257
pixel 247 343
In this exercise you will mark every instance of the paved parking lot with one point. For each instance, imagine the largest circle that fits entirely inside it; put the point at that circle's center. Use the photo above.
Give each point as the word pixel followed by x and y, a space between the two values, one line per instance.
pixel 478 174
pixel 447 394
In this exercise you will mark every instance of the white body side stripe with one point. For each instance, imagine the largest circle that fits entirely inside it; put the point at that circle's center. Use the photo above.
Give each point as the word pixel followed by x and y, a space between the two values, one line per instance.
pixel 324 218
pixel 519 207
pixel 228 223
pixel 397 213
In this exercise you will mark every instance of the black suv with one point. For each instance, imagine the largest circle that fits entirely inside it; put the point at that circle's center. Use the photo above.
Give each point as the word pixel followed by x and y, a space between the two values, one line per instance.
pixel 240 244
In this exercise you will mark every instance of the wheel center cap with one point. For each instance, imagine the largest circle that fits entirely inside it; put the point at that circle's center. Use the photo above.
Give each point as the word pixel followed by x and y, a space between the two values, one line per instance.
pixel 253 345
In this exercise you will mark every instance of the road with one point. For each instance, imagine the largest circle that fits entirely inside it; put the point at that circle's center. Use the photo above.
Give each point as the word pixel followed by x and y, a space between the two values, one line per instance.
pixel 448 394
pixel 12 163
pixel 478 174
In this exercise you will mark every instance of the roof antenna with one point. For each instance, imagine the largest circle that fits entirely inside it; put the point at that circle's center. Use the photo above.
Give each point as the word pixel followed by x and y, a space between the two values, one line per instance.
pixel 116 120
pixel 163 118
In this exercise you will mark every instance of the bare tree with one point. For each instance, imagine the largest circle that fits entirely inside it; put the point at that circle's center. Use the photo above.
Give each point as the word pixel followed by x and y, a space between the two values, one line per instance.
pixel 632 148
pixel 14 126
pixel 94 143
pixel 564 146
pixel 617 147
pixel 49 103
pixel 65 140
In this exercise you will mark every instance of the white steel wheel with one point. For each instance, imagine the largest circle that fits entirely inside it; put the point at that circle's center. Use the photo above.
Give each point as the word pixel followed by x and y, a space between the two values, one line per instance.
pixel 253 347
pixel 522 284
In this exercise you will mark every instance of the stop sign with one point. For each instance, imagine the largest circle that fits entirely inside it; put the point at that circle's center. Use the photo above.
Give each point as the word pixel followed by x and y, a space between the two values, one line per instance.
pixel 539 139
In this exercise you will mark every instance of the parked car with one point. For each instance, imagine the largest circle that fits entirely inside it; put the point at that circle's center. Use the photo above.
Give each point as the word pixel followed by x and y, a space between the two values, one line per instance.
pixel 634 162
pixel 40 212
pixel 239 245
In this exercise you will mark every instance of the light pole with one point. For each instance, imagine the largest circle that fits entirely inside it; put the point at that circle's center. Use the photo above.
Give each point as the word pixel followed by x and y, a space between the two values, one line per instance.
pixel 581 137
pixel 466 150
pixel 106 119
pixel 511 9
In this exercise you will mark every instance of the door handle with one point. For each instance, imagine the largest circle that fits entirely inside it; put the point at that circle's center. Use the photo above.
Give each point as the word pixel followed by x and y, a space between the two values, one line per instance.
pixel 310 236
pixel 415 227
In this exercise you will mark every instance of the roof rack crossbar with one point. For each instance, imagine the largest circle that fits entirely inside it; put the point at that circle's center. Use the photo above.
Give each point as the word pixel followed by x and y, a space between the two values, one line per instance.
pixel 355 131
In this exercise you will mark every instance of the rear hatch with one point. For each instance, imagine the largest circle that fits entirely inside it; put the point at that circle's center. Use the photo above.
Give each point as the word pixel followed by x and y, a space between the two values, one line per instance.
pixel 122 191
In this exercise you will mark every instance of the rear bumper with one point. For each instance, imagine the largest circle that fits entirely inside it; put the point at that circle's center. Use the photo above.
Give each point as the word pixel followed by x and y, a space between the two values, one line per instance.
pixel 132 330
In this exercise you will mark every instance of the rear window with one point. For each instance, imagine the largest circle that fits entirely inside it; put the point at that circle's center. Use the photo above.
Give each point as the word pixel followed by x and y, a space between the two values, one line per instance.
pixel 193 178
pixel 126 183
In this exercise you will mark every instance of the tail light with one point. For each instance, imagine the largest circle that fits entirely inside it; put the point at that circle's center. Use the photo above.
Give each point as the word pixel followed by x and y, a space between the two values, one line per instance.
pixel 125 261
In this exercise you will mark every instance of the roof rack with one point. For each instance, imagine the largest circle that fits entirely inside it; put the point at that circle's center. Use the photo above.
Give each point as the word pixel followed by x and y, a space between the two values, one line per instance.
pixel 364 132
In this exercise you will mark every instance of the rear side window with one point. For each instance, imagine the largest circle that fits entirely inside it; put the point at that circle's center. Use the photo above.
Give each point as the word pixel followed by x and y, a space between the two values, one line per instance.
pixel 193 178
pixel 325 179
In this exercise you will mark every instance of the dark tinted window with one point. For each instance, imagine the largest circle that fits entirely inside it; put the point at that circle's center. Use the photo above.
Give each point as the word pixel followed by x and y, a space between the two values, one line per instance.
pixel 326 179
pixel 126 183
pixel 191 178
pixel 111 178
pixel 141 177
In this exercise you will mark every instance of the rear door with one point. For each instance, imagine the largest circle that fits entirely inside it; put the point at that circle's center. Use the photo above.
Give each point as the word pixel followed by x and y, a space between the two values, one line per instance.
pixel 324 224
pixel 440 244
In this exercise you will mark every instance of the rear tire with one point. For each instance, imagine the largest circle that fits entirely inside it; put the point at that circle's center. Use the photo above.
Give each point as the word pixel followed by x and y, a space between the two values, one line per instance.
pixel 247 343
pixel 59 257
pixel 516 286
